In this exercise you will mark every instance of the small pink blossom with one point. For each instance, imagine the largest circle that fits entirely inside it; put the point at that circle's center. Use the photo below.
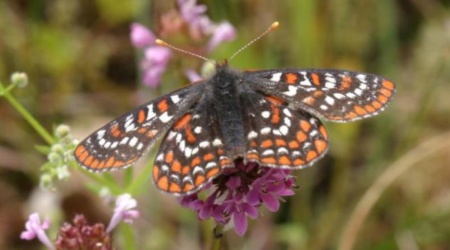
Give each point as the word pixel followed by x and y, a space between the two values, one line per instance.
pixel 34 228
pixel 141 37
pixel 224 32
pixel 124 211
pixel 192 75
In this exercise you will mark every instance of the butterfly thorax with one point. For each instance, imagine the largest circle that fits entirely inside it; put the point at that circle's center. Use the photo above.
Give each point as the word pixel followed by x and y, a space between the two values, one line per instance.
pixel 227 104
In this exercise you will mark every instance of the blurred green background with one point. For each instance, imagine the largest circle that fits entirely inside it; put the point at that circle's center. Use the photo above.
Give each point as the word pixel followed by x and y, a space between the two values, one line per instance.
pixel 83 72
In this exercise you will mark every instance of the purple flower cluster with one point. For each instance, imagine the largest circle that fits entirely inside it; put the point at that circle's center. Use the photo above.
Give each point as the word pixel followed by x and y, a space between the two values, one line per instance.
pixel 238 193
pixel 156 57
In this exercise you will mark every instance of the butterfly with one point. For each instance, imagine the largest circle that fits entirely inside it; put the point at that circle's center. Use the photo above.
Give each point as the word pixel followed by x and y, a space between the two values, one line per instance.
pixel 268 116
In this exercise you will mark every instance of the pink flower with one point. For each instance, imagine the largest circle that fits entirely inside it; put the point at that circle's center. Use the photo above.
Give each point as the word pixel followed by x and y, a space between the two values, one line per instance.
pixel 156 58
pixel 141 37
pixel 224 32
pixel 34 228
pixel 239 192
pixel 123 211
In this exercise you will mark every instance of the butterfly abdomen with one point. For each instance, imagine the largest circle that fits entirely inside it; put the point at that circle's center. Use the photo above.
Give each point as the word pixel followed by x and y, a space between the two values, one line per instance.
pixel 228 107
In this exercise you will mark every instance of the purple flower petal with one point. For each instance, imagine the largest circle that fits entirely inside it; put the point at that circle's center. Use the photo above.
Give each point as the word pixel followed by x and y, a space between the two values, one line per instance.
pixel 240 223
pixel 233 183
pixel 157 55
pixel 34 228
pixel 272 203
pixel 192 75
pixel 141 36
pixel 250 210
pixel 224 32
pixel 254 197
pixel 123 211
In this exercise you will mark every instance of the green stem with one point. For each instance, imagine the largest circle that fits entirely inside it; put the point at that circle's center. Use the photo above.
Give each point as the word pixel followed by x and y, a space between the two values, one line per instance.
pixel 217 237
pixel 140 180
pixel 128 236
pixel 29 118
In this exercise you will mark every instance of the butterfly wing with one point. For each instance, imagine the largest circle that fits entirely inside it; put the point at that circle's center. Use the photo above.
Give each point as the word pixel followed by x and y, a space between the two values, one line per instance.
pixel 121 142
pixel 191 153
pixel 336 95
pixel 279 136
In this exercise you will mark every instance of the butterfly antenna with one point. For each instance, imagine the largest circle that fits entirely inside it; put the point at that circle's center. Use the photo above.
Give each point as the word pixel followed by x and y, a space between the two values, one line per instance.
pixel 165 44
pixel 271 28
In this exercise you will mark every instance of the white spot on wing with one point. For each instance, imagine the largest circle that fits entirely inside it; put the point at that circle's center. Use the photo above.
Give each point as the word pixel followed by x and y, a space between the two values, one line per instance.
pixel 150 113
pixel 175 98
pixel 292 91
pixel 217 142
pixel 165 118
pixel 323 107
pixel 100 134
pixel 252 135
pixel 275 77
pixel 133 141
pixel 204 144
pixel 124 140
pixel 329 100
pixel 339 96
pixel 265 130
pixel 265 114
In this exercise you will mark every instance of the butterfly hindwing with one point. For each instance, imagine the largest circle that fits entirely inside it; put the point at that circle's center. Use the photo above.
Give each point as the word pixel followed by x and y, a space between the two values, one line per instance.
pixel 336 95
pixel 121 142
pixel 191 153
pixel 282 137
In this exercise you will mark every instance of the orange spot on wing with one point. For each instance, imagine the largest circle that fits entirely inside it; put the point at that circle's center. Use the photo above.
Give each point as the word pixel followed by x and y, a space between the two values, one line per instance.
pixel 155 172
pixel 359 110
pixel 298 162
pixel 309 100
pixel 293 145
pixel 301 136
pixel 306 126
pixel 163 183
pixel 182 121
pixel 369 108
pixel 118 164
pixel 79 150
pixel 382 99
pixel 274 100
pixel 269 160
pixel 280 142
pixel 318 93
pixel 195 161
pixel 311 155
pixel 141 116
pixel 115 131
pixel 323 131
pixel 208 157
pixel 388 84
pixel 88 161
pixel 187 187
pixel 151 133
pixel 275 115
pixel 199 180
pixel 212 172
pixel 351 115
pixel 346 82
pixel 321 145
pixel 386 92
pixel 185 170
pixel 110 161
pixel 162 106
pixel 142 130
pixel 315 79
pixel 291 78
pixel 377 105
pixel 190 136
pixel 284 160
pixel 174 188
pixel 176 167
pixel 101 165
pixel 94 164
pixel 267 143
pixel 252 156
pixel 169 157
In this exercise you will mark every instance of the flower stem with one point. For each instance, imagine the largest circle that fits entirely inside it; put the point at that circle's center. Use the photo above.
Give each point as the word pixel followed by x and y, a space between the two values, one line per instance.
pixel 217 237
pixel 28 117
pixel 128 237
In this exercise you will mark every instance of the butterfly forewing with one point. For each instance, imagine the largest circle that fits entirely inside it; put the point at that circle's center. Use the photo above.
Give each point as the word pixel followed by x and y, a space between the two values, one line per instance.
pixel 335 95
pixel 191 154
pixel 281 137
pixel 123 141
